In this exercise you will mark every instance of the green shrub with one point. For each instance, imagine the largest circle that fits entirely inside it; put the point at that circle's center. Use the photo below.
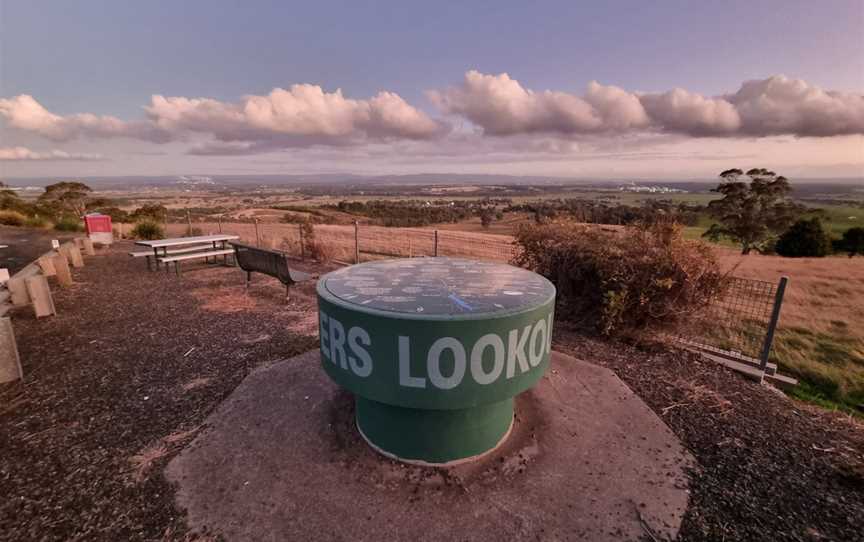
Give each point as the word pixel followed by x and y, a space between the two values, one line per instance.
pixel 147 229
pixel 12 218
pixel 804 239
pixel 37 221
pixel 852 242
pixel 68 224
pixel 617 283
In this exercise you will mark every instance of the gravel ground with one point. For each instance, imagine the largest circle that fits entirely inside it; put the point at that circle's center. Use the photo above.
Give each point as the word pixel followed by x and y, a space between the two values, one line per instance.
pixel 25 245
pixel 117 382
pixel 770 468
pixel 122 378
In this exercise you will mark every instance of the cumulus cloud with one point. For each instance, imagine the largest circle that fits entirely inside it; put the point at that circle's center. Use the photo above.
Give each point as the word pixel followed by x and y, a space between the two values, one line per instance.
pixel 25 113
pixel 500 105
pixel 683 112
pixel 23 154
pixel 780 105
pixel 301 116
pixel 305 115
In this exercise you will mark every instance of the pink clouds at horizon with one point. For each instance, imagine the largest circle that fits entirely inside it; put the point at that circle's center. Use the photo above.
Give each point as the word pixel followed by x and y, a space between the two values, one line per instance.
pixel 494 107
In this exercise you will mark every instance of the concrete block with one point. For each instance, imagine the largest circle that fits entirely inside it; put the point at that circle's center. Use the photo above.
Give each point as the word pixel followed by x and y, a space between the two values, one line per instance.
pixel 40 296
pixel 88 247
pixel 10 363
pixel 61 269
pixel 46 262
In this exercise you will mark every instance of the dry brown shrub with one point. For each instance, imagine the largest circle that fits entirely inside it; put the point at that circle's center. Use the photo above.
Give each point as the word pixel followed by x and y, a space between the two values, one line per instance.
pixel 320 252
pixel 644 277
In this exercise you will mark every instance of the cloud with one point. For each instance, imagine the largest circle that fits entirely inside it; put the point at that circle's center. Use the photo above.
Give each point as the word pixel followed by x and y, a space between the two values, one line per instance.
pixel 683 112
pixel 780 105
pixel 301 116
pixel 25 113
pixel 500 105
pixel 24 154
pixel 304 116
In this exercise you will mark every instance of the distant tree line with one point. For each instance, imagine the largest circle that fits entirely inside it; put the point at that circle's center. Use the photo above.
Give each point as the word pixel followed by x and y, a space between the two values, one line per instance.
pixel 414 213
pixel 601 212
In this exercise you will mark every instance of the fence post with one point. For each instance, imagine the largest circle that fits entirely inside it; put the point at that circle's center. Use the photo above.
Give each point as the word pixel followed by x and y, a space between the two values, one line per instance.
pixel 257 233
pixel 188 222
pixel 772 325
pixel 302 244
pixel 356 242
pixel 435 253
pixel 220 223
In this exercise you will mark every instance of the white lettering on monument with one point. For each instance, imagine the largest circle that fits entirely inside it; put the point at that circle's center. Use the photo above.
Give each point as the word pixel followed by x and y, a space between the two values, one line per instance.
pixel 447 360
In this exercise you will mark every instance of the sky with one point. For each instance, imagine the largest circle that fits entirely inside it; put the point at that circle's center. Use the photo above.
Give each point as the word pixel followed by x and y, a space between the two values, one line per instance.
pixel 612 89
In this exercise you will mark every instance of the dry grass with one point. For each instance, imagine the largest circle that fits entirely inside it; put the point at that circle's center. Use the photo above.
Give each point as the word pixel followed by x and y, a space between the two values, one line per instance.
pixel 143 461
pixel 821 333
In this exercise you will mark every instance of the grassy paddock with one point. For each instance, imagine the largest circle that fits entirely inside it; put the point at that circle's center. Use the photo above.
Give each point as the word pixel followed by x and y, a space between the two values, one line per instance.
pixel 820 338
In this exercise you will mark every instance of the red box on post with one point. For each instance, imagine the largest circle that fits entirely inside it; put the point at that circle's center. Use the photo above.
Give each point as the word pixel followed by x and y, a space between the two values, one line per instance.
pixel 99 228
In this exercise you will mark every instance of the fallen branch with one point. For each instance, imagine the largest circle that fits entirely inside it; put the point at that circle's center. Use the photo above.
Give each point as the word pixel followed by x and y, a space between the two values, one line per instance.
pixel 670 407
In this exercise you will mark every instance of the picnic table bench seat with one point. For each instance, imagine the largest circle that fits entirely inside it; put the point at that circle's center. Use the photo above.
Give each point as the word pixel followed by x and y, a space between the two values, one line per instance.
pixel 177 259
pixel 270 262
pixel 149 253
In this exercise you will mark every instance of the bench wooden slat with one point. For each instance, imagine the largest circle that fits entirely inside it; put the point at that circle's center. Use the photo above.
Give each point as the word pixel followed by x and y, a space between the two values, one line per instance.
pixel 195 255
pixel 139 254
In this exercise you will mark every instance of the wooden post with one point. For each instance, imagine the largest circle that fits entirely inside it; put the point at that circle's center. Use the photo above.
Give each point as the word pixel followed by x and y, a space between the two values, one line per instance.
pixel 73 254
pixel 46 263
pixel 18 290
pixel 188 222
pixel 257 233
pixel 220 223
pixel 436 244
pixel 356 242
pixel 10 363
pixel 302 244
pixel 61 268
pixel 40 296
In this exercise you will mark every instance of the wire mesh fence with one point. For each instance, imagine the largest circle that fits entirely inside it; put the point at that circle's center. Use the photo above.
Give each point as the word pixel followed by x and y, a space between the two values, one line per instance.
pixel 740 323
pixel 350 243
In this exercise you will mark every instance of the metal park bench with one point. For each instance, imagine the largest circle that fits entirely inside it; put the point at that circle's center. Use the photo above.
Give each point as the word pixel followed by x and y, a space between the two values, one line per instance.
pixel 270 262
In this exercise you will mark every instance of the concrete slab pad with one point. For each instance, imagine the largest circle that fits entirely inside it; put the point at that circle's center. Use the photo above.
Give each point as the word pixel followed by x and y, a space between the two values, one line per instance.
pixel 281 459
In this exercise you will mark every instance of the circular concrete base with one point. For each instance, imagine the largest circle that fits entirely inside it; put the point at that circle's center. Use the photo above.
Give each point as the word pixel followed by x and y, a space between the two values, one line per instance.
pixel 282 459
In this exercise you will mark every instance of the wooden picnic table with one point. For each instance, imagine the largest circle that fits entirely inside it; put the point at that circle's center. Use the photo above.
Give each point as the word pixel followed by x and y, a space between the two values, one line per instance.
pixel 164 244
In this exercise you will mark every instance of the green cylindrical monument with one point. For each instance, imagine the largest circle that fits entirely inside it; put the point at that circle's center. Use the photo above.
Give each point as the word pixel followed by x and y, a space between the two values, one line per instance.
pixel 434 350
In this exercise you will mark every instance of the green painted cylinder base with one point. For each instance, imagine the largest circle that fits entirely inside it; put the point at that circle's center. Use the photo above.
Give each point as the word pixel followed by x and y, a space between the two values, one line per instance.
pixel 434 437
